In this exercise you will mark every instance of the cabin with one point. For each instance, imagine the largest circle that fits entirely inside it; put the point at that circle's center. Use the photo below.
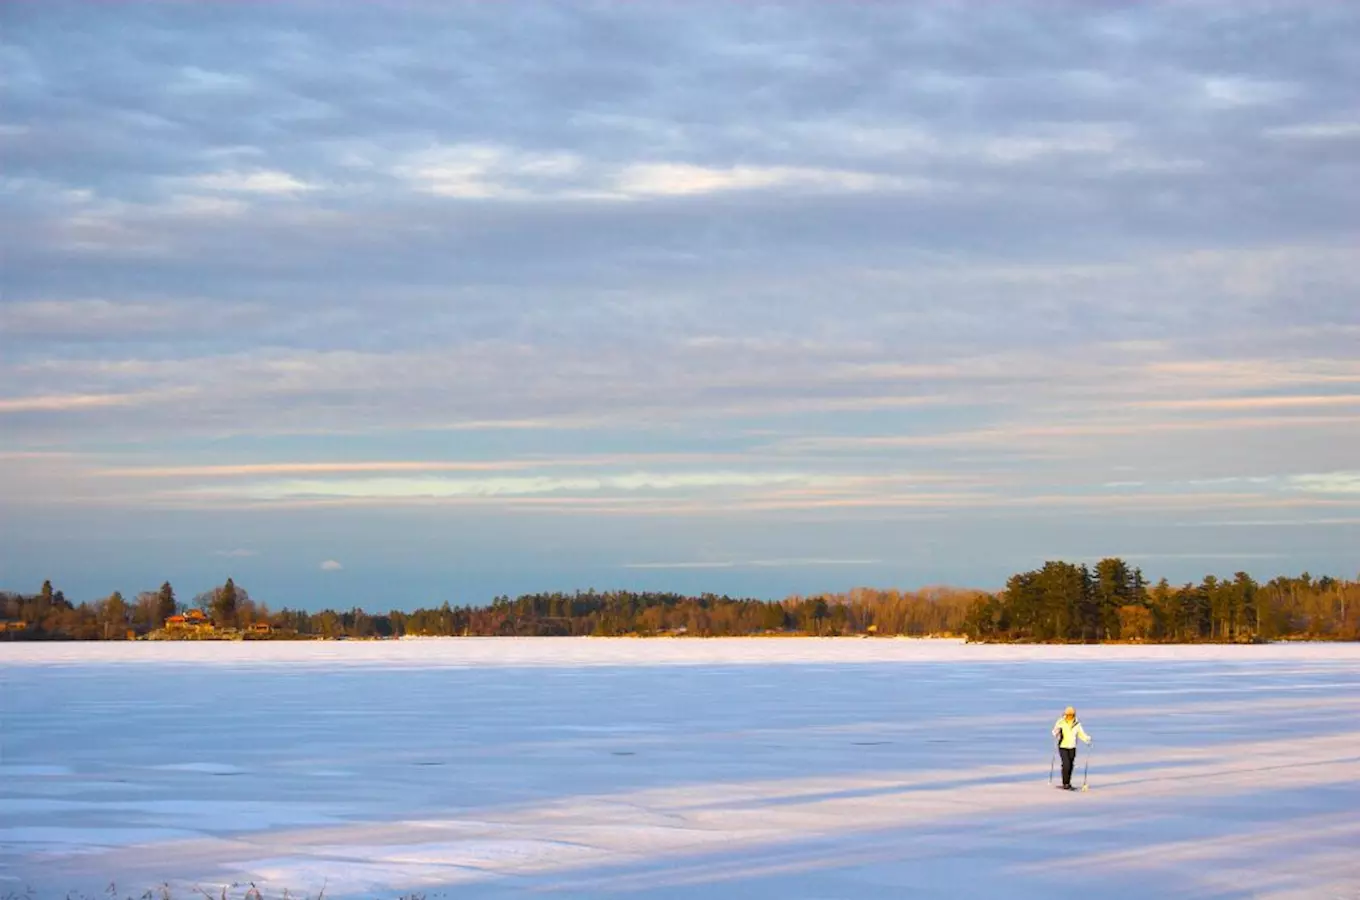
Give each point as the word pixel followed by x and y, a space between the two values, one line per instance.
pixel 17 625
pixel 261 628
pixel 195 620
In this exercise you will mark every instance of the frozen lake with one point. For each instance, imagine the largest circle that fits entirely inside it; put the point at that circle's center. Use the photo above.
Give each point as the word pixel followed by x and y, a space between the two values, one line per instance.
pixel 790 768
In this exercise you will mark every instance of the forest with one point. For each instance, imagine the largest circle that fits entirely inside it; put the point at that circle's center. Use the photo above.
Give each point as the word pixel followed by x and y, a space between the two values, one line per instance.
pixel 1059 602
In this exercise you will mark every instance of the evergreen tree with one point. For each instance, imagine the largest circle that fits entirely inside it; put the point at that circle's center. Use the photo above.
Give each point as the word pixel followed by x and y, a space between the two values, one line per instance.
pixel 165 603
pixel 1164 610
pixel 1113 588
pixel 224 605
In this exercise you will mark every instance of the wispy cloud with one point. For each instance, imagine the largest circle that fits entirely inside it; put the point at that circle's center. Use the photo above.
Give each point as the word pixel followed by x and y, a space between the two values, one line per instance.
pixel 674 179
pixel 796 562
pixel 239 553
pixel 488 171
pixel 1318 131
pixel 408 465
pixel 1235 403
pixel 1310 522
pixel 398 488
pixel 311 468
pixel 712 269
pixel 1137 557
pixel 1053 435
pixel 1326 483
pixel 70 402
pixel 100 319
pixel 257 182
pixel 1237 91
pixel 497 172
pixel 331 565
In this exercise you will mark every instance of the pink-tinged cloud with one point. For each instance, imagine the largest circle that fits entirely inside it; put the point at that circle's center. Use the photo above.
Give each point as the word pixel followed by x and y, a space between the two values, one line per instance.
pixel 1004 435
pixel 77 402
pixel 230 470
pixel 1234 403
pixel 64 402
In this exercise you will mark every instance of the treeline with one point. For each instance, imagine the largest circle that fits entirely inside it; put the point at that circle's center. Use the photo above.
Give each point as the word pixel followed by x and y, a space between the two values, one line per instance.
pixel 1112 602
pixel 1058 602
pixel 48 615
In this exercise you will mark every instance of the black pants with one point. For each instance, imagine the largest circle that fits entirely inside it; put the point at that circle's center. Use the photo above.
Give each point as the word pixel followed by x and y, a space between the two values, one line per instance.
pixel 1069 758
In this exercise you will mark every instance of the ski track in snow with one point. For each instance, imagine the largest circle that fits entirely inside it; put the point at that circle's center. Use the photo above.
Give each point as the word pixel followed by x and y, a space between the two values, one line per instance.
pixel 791 768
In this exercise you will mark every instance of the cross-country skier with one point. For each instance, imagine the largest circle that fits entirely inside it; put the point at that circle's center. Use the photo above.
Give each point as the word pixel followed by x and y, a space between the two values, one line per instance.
pixel 1067 730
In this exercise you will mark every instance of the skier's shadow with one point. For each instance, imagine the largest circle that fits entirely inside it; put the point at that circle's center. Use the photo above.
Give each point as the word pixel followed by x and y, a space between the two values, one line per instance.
pixel 951 785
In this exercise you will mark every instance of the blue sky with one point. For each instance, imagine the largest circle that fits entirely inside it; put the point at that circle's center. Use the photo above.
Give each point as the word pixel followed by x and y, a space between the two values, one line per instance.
pixel 392 303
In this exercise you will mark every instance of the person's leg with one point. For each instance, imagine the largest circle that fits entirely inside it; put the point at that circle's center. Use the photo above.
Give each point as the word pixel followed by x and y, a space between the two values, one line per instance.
pixel 1069 760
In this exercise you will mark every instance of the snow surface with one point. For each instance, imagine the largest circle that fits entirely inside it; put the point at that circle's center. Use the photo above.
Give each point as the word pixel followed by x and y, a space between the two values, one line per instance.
pixel 790 768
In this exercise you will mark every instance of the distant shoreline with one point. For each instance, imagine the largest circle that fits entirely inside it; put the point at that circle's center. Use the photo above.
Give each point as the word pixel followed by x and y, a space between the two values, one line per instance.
pixel 1059 603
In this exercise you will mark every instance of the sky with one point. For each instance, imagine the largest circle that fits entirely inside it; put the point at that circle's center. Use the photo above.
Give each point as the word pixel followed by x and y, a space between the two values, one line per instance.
pixel 392 303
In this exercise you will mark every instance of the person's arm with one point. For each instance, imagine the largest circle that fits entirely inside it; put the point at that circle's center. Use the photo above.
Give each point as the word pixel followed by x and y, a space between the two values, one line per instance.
pixel 1081 733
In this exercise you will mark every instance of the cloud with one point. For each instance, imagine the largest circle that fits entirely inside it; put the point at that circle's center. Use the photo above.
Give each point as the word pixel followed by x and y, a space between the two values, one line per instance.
pixel 673 179
pixel 239 553
pixel 104 320
pixel 485 171
pixel 331 565
pixel 652 262
pixel 1271 402
pixel 1320 131
pixel 505 486
pixel 258 182
pixel 1209 557
pixel 489 172
pixel 312 468
pixel 1235 91
pixel 63 402
pixel 1054 434
pixel 812 562
pixel 234 470
pixel 1327 483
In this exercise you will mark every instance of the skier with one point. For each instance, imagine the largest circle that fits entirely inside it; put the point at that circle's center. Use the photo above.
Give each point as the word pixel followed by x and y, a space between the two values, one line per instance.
pixel 1067 730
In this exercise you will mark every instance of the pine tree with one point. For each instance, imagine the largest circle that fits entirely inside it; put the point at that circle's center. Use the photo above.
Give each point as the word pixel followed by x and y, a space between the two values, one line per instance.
pixel 224 605
pixel 1114 588
pixel 165 604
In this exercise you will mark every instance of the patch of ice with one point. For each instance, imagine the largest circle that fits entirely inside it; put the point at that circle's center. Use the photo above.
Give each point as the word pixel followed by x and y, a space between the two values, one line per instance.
pixel 202 768
pixel 10 771
pixel 579 653
pixel 14 806
pixel 65 838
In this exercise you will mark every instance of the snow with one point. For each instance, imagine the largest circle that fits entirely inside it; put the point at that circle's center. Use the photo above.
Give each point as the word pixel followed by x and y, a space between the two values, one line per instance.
pixel 796 768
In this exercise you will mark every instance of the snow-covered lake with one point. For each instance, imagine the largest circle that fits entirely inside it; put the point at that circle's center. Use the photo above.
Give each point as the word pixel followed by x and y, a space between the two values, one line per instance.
pixel 788 768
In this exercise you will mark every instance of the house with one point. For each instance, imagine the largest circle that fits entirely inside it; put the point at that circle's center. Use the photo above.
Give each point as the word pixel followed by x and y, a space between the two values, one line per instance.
pixel 261 628
pixel 18 625
pixel 195 620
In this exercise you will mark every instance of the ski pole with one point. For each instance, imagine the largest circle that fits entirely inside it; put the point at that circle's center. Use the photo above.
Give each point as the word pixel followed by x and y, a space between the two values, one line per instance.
pixel 1086 771
pixel 1051 761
